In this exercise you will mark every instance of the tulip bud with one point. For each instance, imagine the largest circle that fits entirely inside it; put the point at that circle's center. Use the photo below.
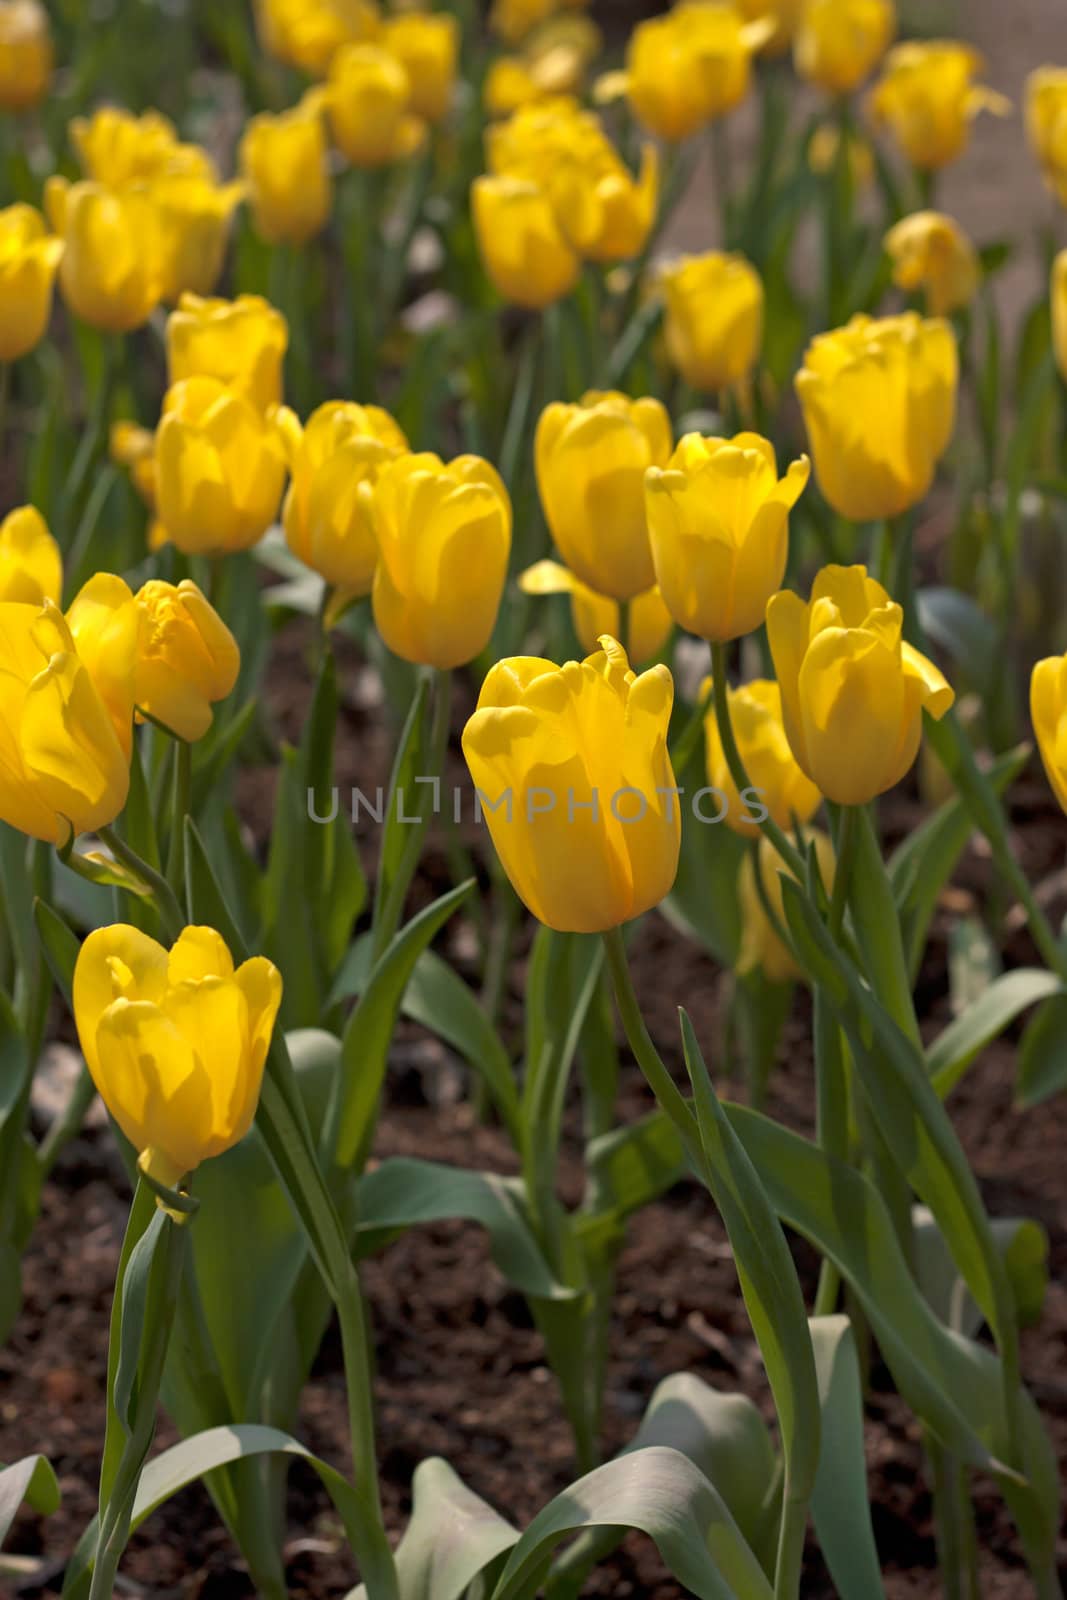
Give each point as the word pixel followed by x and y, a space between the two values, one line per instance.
pixel 195 220
pixel 780 786
pixel 762 948
pixel 1048 713
pixel 369 99
pixel 31 566
pixel 187 658
pixel 931 252
pixel 594 615
pixel 574 778
pixel 1046 124
pixel 591 462
pixel 28 262
pixel 838 42
pixel 719 522
pixel 879 403
pixel 853 692
pixel 220 468
pixel 25 54
pixel 714 321
pixel 175 1041
pixel 427 46
pixel 64 770
pixel 308 33
pixel 927 98
pixel 112 269
pixel 522 245
pixel 444 538
pixel 240 342
pixel 285 163
pixel 335 462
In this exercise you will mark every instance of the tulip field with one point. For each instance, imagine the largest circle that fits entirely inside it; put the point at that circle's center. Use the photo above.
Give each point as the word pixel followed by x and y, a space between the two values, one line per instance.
pixel 533 774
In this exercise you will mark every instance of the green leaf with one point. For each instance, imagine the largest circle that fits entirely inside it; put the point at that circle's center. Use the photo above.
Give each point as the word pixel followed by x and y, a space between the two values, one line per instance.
pixel 1043 1054
pixel 31 1479
pixel 403 799
pixel 630 1167
pixel 1024 1247
pixel 213 763
pixel 403 1192
pixel 703 902
pixel 955 622
pixel 207 904
pixel 953 1051
pixel 973 963
pixel 134 1301
pixel 291 904
pixel 840 1506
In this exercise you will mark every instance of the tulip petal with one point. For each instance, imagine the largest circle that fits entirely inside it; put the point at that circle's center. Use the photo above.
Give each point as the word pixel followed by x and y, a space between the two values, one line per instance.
pixel 114 963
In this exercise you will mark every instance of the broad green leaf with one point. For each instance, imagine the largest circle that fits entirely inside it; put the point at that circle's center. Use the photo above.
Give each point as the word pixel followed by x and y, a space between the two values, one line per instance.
pixel 1024 1247
pixel 630 1167
pixel 206 902
pixel 291 904
pixel 1043 1054
pixel 974 963
pixel 840 1506
pixel 31 1479
pixel 404 800
pixel 703 902
pixel 954 621
pixel 953 1051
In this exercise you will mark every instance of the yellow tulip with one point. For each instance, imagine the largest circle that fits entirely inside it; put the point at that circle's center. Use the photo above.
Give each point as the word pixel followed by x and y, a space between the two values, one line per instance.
pixel 927 97
pixel 427 45
pixel 523 249
pixel 515 20
pixel 240 342
pixel 838 42
pixel 714 319
pixel 113 264
pixel 187 658
pixel 787 794
pixel 31 566
pixel 117 149
pixel 1048 713
pixel 308 33
pixel 335 463
pixel 1059 311
pixel 853 692
pixel 553 62
pixel 195 220
pixel 104 624
pixel 879 403
pixel 444 538
pixel 719 523
pixel 25 54
pixel 28 262
pixel 762 949
pixel 591 462
pixel 594 615
pixel 175 1041
pixel 369 100
pixel 220 468
pixel 574 779
pixel 931 252
pixel 784 17
pixel 62 767
pixel 1046 124
pixel 285 163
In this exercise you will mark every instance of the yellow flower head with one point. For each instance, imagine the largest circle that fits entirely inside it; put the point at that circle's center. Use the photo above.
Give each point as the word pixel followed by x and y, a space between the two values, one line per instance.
pixel 31 566
pixel 117 149
pixel 714 321
pixel 931 252
pixel 187 658
pixel 308 33
pixel 595 615
pixel 285 164
pixel 335 462
pixel 879 402
pixel 1046 124
pixel 25 54
pixel 719 521
pixel 240 342
pixel 787 793
pixel 444 537
pixel 574 777
pixel 591 462
pixel 553 62
pixel 29 258
pixel 927 97
pixel 838 42
pixel 371 108
pixel 112 272
pixel 175 1041
pixel 195 217
pixel 853 692
pixel 427 45
pixel 1048 713
pixel 782 15
pixel 522 246
pixel 762 948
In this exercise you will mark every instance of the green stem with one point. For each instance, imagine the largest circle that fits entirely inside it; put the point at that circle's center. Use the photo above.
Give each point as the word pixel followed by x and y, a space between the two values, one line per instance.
pixel 166 901
pixel 692 733
pixel 625 613
pixel 957 1551
pixel 785 848
pixel 659 1080
pixel 5 400
pixel 791 1534
pixel 183 782
pixel 831 1079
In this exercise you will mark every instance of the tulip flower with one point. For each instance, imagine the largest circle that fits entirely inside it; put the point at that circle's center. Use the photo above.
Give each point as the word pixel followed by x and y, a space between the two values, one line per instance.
pixel 335 462
pixel 931 252
pixel 195 219
pixel 444 537
pixel 31 566
pixel 574 778
pixel 175 1041
pixel 240 342
pixel 285 164
pixel 1046 124
pixel 787 794
pixel 64 770
pixel 187 658
pixel 523 249
pixel 782 15
pixel 591 462
pixel 1048 713
pixel 879 403
pixel 762 948
pixel 853 692
pixel 839 42
pixel 714 319
pixel 553 62
pixel 928 99
pixel 28 261
pixel 369 100
pixel 25 54
pixel 220 468
pixel 113 263
pixel 595 614
pixel 308 33
pixel 117 149
pixel 719 524
pixel 105 625
pixel 427 46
